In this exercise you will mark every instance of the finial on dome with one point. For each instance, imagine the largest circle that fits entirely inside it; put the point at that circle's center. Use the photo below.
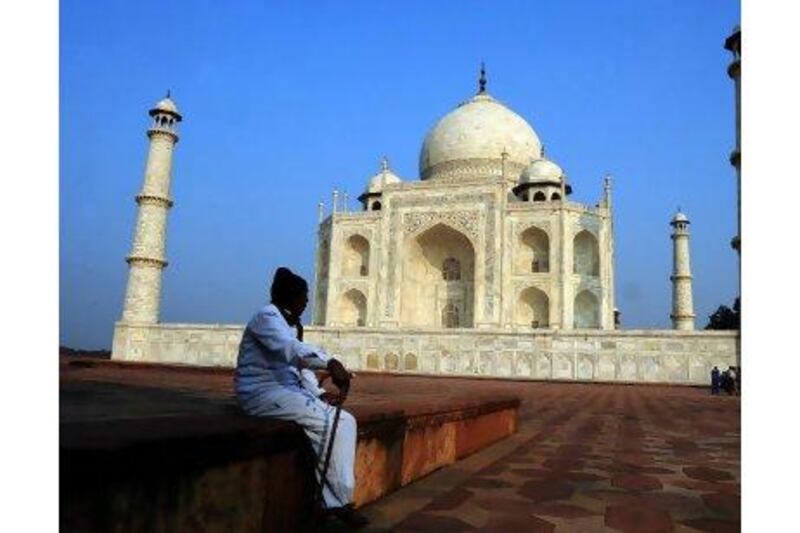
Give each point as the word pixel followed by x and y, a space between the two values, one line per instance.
pixel 384 164
pixel 544 156
pixel 482 79
pixel 168 93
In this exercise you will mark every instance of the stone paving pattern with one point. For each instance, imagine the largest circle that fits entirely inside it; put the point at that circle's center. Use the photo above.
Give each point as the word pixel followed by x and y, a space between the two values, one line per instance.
pixel 594 457
pixel 587 457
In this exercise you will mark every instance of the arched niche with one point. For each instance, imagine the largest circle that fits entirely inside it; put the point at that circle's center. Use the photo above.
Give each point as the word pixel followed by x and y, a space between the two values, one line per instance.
pixel 533 251
pixel 353 308
pixel 356 257
pixel 586 310
pixel 539 196
pixel 533 308
pixel 432 260
pixel 585 254
pixel 373 361
pixel 451 316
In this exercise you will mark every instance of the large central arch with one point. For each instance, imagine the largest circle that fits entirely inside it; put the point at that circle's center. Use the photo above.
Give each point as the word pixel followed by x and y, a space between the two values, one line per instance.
pixel 438 284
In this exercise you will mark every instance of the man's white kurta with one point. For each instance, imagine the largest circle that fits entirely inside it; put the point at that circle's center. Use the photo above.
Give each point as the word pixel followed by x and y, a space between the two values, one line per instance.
pixel 270 382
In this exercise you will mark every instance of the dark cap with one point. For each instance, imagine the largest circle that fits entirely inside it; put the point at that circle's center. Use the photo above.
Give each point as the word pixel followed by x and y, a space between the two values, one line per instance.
pixel 286 285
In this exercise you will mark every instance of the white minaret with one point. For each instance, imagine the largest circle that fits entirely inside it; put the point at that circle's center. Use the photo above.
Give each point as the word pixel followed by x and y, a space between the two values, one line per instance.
pixel 734 44
pixel 682 308
pixel 148 253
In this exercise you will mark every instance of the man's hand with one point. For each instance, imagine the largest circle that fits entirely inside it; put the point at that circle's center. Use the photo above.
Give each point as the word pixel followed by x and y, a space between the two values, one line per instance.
pixel 339 375
pixel 322 376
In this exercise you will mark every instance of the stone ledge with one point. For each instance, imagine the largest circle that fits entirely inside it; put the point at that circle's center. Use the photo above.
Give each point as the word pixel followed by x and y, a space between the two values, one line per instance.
pixel 152 446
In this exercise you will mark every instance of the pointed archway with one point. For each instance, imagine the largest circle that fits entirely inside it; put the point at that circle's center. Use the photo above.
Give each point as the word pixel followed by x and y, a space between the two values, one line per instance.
pixel 438 284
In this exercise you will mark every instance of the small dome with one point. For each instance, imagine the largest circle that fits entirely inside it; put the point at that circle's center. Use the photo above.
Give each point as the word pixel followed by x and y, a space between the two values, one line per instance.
pixel 680 217
pixel 541 170
pixel 476 134
pixel 166 105
pixel 382 178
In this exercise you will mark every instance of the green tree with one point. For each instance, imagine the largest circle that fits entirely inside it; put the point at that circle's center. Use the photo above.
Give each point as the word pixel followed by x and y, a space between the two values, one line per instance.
pixel 725 317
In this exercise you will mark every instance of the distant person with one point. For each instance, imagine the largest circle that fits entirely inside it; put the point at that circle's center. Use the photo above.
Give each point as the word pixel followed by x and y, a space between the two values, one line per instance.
pixel 715 380
pixel 734 380
pixel 274 379
pixel 728 383
pixel 739 379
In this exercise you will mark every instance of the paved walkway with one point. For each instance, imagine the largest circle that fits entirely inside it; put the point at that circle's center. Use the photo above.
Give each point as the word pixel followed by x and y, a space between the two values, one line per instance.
pixel 587 458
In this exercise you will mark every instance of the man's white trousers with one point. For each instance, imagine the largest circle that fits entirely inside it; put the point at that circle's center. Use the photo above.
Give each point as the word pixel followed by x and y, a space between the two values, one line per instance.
pixel 316 418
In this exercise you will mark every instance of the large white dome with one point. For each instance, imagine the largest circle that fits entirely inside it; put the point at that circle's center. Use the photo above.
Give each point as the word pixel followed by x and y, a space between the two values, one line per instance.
pixel 471 139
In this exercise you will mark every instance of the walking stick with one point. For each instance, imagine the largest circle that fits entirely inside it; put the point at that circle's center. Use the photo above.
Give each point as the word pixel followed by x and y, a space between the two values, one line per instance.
pixel 323 478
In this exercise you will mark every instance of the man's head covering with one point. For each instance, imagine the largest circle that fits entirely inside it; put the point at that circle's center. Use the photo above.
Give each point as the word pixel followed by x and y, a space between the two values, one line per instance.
pixel 286 285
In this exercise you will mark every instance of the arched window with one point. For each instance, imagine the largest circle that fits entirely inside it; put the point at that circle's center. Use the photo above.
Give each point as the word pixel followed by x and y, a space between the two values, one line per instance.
pixel 534 252
pixel 585 254
pixel 586 311
pixel 533 308
pixel 353 308
pixel 555 196
pixel 376 206
pixel 450 316
pixel 539 197
pixel 451 269
pixel 356 257
pixel 525 196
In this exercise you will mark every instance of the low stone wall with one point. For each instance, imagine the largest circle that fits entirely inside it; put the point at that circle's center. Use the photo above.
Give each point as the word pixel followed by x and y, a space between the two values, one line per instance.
pixel 665 356
pixel 167 449
pixel 191 344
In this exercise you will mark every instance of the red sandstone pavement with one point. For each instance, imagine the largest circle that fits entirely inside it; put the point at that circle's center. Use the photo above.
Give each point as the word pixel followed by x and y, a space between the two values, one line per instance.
pixel 588 457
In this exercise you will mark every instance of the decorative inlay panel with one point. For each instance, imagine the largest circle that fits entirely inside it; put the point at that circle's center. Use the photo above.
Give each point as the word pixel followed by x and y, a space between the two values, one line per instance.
pixel 466 221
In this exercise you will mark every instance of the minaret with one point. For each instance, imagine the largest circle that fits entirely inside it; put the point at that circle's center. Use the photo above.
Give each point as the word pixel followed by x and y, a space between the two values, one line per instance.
pixel 613 312
pixel 682 308
pixel 148 253
pixel 734 44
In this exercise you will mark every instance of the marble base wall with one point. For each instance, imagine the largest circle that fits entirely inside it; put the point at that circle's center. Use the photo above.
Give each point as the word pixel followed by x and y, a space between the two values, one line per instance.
pixel 665 356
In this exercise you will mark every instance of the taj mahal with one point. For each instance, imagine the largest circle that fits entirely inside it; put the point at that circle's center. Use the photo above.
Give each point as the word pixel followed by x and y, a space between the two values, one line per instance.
pixel 486 238
pixel 483 265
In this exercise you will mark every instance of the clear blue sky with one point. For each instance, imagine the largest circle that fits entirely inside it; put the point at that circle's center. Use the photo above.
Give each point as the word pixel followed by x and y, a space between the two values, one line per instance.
pixel 284 102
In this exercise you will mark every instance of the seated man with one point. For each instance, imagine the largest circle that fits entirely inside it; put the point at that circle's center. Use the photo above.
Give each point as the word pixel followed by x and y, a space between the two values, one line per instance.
pixel 273 380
